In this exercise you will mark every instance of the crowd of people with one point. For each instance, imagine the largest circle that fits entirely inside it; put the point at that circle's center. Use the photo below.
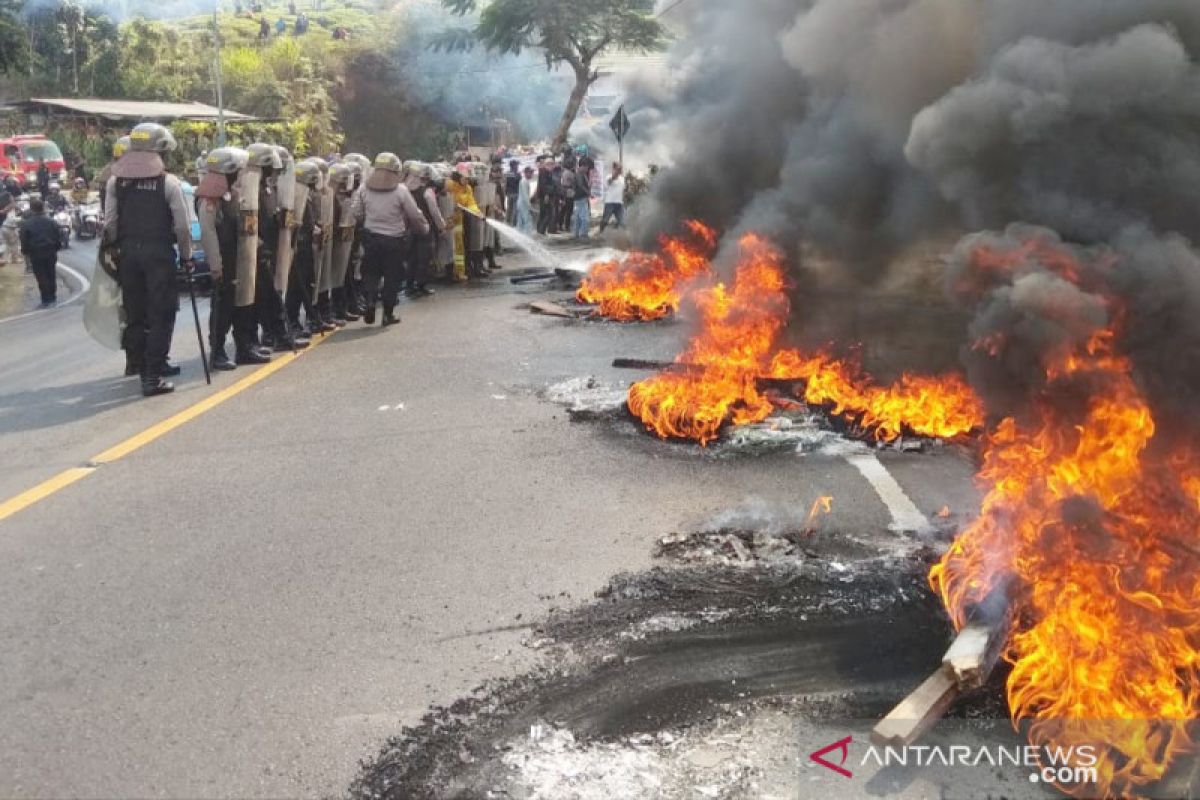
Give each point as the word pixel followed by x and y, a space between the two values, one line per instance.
pixel 298 248
pixel 562 193
pixel 294 248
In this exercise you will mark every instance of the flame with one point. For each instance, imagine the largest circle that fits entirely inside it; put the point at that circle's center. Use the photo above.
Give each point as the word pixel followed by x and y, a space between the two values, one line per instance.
pixel 718 379
pixel 723 361
pixel 942 406
pixel 820 506
pixel 1092 536
pixel 646 286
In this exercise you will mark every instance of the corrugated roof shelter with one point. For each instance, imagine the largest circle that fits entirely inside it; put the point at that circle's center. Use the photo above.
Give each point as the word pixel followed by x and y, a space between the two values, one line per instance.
pixel 132 110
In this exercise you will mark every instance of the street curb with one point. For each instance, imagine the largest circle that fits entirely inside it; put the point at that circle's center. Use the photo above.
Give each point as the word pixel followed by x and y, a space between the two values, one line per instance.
pixel 74 280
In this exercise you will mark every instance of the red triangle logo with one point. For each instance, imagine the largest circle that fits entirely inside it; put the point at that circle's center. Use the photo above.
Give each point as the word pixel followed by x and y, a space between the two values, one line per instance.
pixel 842 746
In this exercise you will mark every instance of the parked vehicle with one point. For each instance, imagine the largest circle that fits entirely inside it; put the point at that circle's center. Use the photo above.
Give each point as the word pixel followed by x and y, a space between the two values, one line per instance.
pixel 20 156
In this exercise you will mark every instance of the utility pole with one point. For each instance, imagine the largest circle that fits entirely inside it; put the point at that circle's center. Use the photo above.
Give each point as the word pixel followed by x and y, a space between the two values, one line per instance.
pixel 220 88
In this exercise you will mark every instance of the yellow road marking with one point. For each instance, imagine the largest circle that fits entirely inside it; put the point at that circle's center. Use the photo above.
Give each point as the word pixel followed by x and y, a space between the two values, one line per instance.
pixel 43 490
pixel 156 431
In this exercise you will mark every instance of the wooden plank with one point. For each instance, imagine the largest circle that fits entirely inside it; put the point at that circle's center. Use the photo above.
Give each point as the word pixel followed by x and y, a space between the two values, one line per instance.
pixel 551 309
pixel 974 653
pixel 918 712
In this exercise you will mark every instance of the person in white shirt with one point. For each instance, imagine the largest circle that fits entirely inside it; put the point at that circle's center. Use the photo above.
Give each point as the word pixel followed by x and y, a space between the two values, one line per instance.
pixel 614 199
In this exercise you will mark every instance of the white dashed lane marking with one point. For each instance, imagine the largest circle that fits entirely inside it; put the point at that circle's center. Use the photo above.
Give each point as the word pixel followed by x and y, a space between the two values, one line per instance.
pixel 905 515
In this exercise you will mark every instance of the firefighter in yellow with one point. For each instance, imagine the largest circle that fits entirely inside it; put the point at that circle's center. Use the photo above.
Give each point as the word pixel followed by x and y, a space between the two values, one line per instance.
pixel 464 198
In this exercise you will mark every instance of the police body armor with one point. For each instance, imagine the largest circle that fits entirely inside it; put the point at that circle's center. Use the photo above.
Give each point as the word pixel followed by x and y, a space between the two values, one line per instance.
pixel 145 216
pixel 286 189
pixel 248 182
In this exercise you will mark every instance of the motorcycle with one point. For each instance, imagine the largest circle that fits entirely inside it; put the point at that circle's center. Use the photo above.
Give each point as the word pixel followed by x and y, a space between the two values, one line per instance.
pixel 63 220
pixel 86 220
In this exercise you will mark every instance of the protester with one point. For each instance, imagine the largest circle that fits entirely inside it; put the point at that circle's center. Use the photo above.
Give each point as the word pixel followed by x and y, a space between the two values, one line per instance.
pixel 614 199
pixel 40 242
pixel 547 187
pixel 512 185
pixel 566 195
pixel 521 207
pixel 583 199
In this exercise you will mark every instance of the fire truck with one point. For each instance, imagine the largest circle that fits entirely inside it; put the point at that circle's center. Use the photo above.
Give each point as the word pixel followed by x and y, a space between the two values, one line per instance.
pixel 20 155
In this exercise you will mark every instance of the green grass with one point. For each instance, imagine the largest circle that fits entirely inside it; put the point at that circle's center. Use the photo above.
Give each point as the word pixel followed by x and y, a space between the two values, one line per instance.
pixel 360 17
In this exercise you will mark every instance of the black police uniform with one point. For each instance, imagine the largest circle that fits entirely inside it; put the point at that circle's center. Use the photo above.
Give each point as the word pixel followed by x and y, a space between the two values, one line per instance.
pixel 146 236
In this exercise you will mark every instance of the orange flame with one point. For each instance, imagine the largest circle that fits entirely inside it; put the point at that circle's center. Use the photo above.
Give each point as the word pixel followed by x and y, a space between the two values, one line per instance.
pixel 645 286
pixel 737 346
pixel 1093 536
pixel 820 506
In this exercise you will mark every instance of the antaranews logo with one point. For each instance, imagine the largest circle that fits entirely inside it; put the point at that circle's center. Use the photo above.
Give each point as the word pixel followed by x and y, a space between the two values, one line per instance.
pixel 1070 765
pixel 841 746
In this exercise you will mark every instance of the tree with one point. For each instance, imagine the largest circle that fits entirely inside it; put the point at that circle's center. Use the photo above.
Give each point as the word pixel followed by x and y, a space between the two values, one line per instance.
pixel 13 47
pixel 572 33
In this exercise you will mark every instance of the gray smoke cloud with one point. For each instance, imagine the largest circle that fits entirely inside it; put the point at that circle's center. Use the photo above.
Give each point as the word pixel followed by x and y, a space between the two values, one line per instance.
pixel 1037 298
pixel 1086 139
pixel 855 129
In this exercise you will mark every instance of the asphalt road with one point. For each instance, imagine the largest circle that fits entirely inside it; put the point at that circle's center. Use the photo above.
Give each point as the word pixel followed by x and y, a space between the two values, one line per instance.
pixel 253 602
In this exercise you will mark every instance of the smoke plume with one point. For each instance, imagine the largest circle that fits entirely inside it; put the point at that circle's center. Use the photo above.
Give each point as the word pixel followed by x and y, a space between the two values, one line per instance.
pixel 855 129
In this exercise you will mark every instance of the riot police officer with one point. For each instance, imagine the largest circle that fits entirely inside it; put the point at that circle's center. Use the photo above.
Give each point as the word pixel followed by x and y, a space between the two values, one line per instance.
pixel 228 201
pixel 268 304
pixel 306 237
pixel 342 178
pixel 146 219
pixel 119 148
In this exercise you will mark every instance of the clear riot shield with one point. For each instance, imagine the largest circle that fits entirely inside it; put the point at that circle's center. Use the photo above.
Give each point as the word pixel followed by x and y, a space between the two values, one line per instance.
pixel 292 205
pixel 343 239
pixel 325 254
pixel 246 190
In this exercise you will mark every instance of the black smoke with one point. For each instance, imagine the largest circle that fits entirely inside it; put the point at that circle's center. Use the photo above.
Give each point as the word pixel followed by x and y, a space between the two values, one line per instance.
pixel 856 129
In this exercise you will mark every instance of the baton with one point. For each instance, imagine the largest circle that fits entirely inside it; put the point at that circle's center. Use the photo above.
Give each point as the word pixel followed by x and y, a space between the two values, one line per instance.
pixel 191 284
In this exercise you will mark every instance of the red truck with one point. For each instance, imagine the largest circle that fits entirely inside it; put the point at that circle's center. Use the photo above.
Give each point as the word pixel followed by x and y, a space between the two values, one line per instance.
pixel 20 155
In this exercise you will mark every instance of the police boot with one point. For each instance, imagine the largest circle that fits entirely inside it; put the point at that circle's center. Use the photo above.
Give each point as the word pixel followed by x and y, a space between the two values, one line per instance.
pixel 298 334
pixel 338 309
pixel 389 318
pixel 219 360
pixel 369 311
pixel 152 386
pixel 284 340
pixel 245 338
pixel 348 305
